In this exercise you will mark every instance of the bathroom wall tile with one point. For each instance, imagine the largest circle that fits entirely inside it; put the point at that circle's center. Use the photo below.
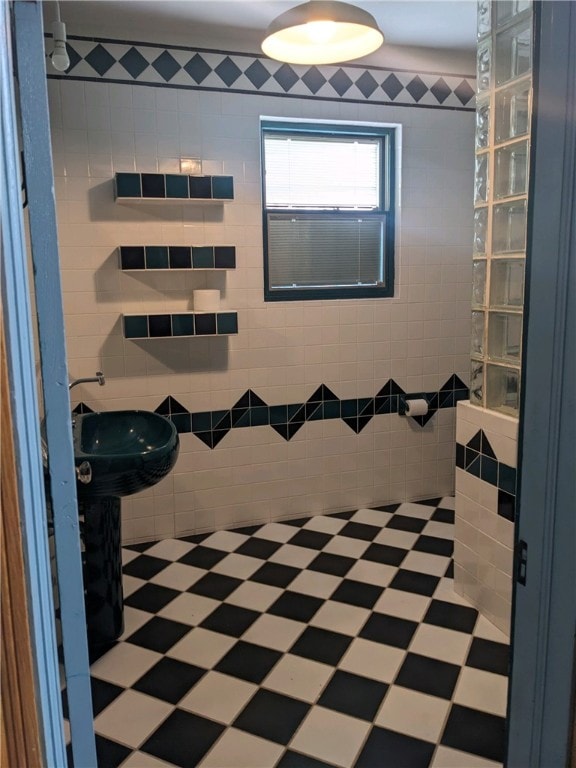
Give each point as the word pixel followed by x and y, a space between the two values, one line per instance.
pixel 282 351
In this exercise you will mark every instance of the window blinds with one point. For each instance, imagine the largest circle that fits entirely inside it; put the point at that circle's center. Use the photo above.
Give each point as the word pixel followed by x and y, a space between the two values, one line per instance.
pixel 322 172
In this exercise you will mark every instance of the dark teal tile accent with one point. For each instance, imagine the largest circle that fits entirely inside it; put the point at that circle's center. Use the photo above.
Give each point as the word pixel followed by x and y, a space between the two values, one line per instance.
pixel 203 257
pixel 385 405
pixel 223 187
pixel 507 478
pixel 160 325
pixel 183 325
pixel 292 409
pixel 331 409
pixel 180 257
pixel 182 422
pixel 176 186
pixel 217 436
pixel 475 442
pixel 485 446
pixel 506 505
pixel 366 406
pixel 221 420
pixel 278 414
pixel 349 408
pixel 227 322
pixel 259 416
pixel 446 400
pixel 470 456
pixel 474 467
pixel 460 454
pixel 489 470
pixel 164 407
pixel 128 185
pixel 200 187
pixel 202 421
pixel 225 257
pixel 132 257
pixel 153 185
pixel 313 411
pixel 205 324
pixel 298 416
pixel 250 410
pixel 242 419
pixel 157 257
pixel 136 327
pixel 175 407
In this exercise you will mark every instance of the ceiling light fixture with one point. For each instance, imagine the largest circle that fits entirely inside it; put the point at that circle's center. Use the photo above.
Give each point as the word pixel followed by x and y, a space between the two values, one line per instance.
pixel 322 32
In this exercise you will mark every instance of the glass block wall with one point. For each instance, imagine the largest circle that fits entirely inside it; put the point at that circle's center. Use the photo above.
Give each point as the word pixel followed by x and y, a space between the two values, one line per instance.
pixel 504 82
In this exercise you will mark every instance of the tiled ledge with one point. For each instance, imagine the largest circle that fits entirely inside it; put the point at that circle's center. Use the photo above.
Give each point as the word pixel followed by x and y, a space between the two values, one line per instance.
pixel 180 325
pixel 146 258
pixel 172 187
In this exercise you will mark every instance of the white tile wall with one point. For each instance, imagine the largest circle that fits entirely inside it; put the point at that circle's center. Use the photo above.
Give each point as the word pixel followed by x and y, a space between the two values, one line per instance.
pixel 283 351
pixel 484 541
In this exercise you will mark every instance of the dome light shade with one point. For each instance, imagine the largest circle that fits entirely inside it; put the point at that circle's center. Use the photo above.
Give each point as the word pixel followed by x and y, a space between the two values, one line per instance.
pixel 322 32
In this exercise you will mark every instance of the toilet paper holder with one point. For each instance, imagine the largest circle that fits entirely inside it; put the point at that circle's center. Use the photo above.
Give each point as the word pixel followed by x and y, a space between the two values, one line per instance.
pixel 403 401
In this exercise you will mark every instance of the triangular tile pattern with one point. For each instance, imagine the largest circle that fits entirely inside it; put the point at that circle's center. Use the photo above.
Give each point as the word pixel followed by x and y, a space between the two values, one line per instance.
pixel 251 411
pixel 478 458
pixel 82 408
pixel 119 61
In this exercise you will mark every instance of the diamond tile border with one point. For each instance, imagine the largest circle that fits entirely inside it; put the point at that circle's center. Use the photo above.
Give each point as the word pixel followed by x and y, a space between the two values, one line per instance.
pixel 122 61
pixel 251 411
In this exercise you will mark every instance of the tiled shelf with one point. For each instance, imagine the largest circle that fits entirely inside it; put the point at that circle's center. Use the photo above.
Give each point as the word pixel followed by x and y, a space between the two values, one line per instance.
pixel 179 325
pixel 172 188
pixel 148 258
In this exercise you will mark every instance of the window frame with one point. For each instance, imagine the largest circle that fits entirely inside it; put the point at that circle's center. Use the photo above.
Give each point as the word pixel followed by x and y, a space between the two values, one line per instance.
pixel 387 209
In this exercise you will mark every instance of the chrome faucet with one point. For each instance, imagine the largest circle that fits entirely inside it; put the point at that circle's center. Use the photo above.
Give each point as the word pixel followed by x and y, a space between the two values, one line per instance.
pixel 99 379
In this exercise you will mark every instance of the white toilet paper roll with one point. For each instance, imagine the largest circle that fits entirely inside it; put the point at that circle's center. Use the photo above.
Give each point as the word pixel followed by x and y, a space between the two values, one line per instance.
pixel 206 300
pixel 416 407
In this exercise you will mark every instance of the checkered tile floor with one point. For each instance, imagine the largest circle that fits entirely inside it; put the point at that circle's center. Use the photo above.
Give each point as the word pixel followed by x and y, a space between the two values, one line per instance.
pixel 325 641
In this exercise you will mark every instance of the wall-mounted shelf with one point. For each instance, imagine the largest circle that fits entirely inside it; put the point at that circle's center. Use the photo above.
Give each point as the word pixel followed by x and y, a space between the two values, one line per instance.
pixel 172 188
pixel 179 325
pixel 151 258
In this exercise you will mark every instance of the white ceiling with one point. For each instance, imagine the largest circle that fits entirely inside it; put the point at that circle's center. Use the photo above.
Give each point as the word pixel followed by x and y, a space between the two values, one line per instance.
pixel 431 23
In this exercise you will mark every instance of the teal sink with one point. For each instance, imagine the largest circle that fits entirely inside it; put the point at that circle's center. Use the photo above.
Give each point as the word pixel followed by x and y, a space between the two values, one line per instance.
pixel 118 453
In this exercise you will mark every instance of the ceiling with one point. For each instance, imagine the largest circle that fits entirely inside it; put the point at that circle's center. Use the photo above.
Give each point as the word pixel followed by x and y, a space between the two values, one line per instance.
pixel 446 24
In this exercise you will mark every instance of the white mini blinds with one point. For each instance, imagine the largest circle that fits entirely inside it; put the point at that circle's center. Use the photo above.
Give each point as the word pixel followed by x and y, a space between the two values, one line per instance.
pixel 322 172
pixel 328 210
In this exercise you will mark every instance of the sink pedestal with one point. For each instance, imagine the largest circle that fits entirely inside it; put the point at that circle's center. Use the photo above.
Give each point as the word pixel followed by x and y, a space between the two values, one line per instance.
pixel 100 524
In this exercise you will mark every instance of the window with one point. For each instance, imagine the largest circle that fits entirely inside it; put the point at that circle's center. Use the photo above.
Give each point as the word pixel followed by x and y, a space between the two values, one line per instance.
pixel 328 205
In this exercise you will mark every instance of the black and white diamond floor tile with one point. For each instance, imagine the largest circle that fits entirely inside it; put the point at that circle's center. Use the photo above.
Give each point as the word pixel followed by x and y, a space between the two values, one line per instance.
pixel 331 641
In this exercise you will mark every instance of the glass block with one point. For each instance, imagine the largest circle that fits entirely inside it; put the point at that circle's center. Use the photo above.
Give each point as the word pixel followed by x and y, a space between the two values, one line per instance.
pixel 477 344
pixel 507 283
pixel 504 337
pixel 503 388
pixel 477 382
pixel 511 172
pixel 478 282
pixel 480 229
pixel 481 179
pixel 512 112
pixel 509 228
pixel 506 9
pixel 483 66
pixel 514 51
pixel 484 18
pixel 482 124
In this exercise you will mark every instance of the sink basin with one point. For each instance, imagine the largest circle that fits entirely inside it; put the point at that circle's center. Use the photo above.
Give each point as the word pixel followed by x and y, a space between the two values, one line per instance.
pixel 128 451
